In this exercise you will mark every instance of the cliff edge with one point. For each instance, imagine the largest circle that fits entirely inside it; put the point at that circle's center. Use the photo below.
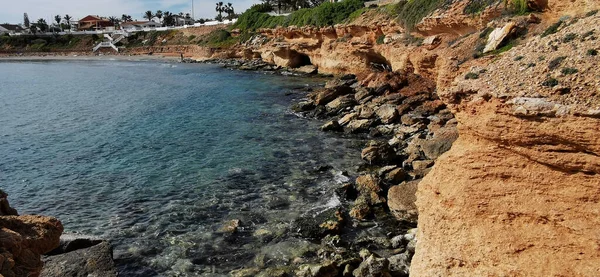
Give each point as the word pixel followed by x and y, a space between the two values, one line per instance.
pixel 517 194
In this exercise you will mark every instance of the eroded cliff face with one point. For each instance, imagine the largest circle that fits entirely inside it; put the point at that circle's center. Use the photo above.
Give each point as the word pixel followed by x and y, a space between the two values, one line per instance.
pixel 518 193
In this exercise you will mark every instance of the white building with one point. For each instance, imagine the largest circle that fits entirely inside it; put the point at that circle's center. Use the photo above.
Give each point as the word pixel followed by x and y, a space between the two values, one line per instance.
pixel 139 25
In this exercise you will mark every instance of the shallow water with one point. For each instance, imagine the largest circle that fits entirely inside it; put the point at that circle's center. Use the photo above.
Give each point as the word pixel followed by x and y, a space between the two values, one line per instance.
pixel 157 157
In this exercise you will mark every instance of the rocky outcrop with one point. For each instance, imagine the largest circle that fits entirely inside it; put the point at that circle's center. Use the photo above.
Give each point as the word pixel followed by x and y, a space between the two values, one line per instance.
pixel 94 260
pixel 23 239
pixel 517 194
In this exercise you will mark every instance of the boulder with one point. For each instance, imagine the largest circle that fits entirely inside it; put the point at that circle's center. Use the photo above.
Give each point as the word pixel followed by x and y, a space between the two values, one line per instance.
pixel 497 37
pixel 230 226
pixel 366 112
pixel 387 113
pixel 92 261
pixel 440 143
pixel 410 119
pixel 5 208
pixel 359 126
pixel 327 269
pixel 400 264
pixel 23 239
pixel 361 208
pixel 318 226
pixel 362 93
pixel 346 119
pixel 307 69
pixel 373 267
pixel 303 106
pixel 401 201
pixel 368 186
pixel 379 153
pixel 395 176
pixel 325 95
pixel 340 103
pixel 72 242
pixel 422 165
pixel 332 126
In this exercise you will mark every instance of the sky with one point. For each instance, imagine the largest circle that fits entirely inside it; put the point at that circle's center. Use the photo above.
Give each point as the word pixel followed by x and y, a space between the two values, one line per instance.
pixel 47 9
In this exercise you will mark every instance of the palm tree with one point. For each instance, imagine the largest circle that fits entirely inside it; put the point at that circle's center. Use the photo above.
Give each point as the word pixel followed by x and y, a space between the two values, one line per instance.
pixel 229 10
pixel 220 8
pixel 148 15
pixel 113 20
pixel 57 18
pixel 159 15
pixel 168 20
pixel 68 20
pixel 42 25
pixel 126 18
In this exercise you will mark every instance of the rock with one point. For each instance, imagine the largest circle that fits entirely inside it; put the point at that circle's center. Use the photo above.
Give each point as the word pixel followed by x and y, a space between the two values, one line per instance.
pixel 440 143
pixel 401 201
pixel 361 208
pixel 395 176
pixel 316 227
pixel 378 153
pixel 366 112
pixel 362 93
pixel 340 103
pixel 245 272
pixel 346 119
pixel 359 126
pixel 263 235
pixel 72 242
pixel 421 165
pixel 400 264
pixel 332 126
pixel 537 5
pixel 347 191
pixel 326 95
pixel 274 272
pixel 230 226
pixel 335 83
pixel 23 239
pixel 410 119
pixel 303 106
pixel 327 269
pixel 308 69
pixel 373 267
pixel 348 270
pixel 497 37
pixel 5 208
pixel 368 186
pixel 92 261
pixel 387 113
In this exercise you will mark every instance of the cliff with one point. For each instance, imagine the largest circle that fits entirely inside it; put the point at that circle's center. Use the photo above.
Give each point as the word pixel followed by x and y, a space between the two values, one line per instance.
pixel 517 194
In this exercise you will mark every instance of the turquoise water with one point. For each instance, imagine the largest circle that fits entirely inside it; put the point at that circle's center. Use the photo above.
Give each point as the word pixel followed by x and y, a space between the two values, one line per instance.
pixel 157 156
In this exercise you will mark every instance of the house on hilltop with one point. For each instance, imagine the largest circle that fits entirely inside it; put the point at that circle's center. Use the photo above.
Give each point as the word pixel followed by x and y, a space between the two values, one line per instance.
pixel 139 25
pixel 10 29
pixel 95 22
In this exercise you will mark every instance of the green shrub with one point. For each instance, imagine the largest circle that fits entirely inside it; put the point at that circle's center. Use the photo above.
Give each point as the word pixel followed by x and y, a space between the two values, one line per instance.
pixel 550 82
pixel 218 39
pixel 591 13
pixel 477 6
pixel 592 52
pixel 518 58
pixel 569 37
pixel 530 65
pixel 569 70
pixel 552 29
pixel 471 76
pixel 326 14
pixel 356 14
pixel 556 62
pixel 413 11
pixel 192 37
pixel 380 39
pixel 518 7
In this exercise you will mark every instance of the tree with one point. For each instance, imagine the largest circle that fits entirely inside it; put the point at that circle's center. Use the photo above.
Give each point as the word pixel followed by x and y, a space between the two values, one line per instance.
pixel 32 28
pixel 114 20
pixel 126 18
pixel 68 20
pixel 168 19
pixel 26 20
pixel 229 10
pixel 42 25
pixel 58 19
pixel 148 15
pixel 220 9
pixel 159 15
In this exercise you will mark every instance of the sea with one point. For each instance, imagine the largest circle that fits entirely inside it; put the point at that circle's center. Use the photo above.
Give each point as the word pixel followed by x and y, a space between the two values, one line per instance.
pixel 157 157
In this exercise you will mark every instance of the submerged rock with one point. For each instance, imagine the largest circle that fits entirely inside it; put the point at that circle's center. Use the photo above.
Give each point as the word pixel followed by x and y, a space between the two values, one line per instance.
pixel 92 261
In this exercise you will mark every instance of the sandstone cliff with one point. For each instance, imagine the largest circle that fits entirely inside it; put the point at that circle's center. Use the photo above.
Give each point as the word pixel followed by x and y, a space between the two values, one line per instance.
pixel 517 195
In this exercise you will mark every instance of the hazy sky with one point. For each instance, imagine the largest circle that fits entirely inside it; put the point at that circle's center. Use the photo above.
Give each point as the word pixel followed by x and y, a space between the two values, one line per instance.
pixel 13 12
